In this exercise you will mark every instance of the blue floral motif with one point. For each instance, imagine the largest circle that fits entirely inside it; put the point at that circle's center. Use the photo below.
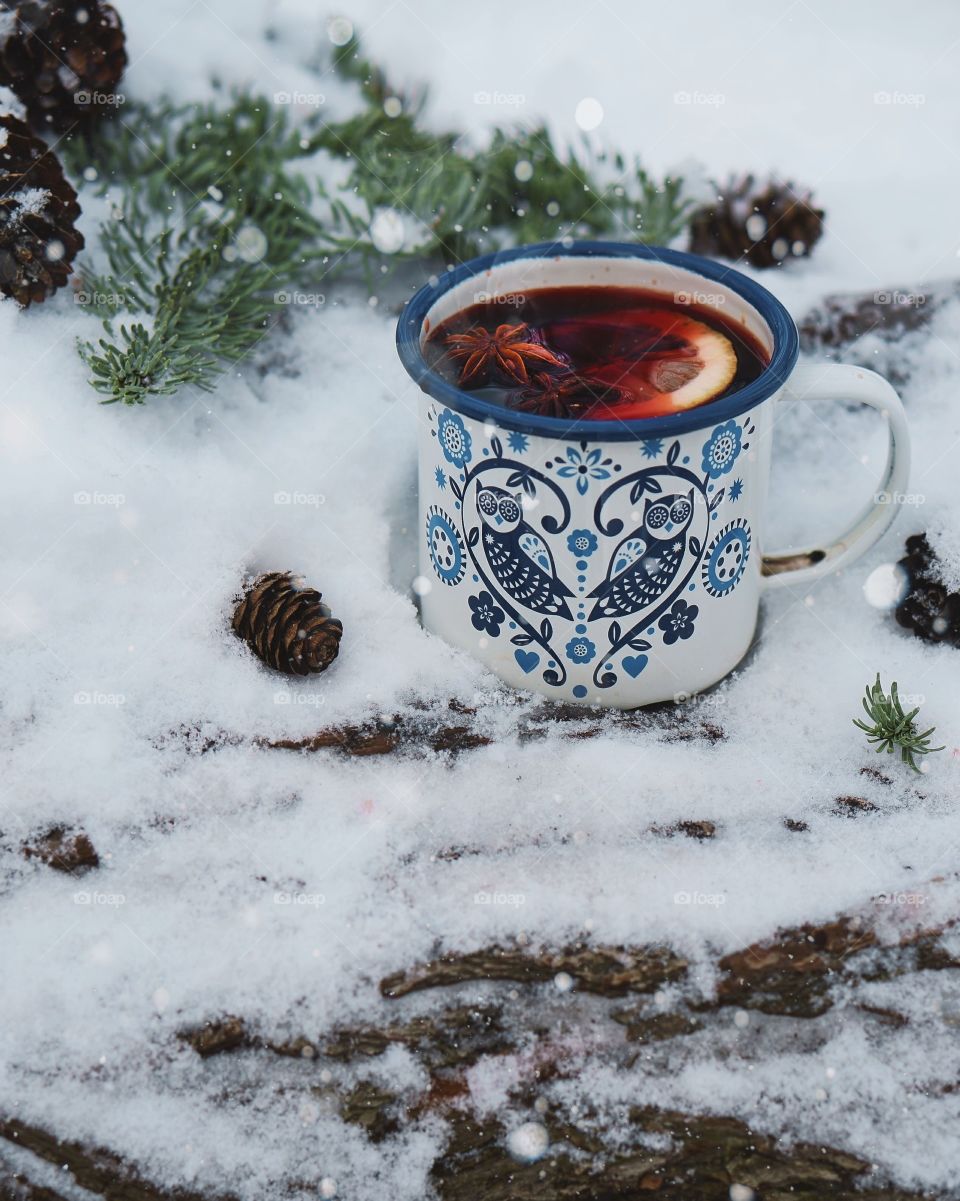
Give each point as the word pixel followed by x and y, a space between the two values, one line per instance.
pixel 518 442
pixel 487 616
pixel 585 466
pixel 447 552
pixel 720 451
pixel 736 490
pixel 726 559
pixel 580 650
pixel 440 476
pixel 678 623
pixel 652 447
pixel 582 543
pixel 455 442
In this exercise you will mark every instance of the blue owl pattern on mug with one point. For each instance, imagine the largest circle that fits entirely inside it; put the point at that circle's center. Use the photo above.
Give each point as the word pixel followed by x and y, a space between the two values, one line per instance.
pixel 499 539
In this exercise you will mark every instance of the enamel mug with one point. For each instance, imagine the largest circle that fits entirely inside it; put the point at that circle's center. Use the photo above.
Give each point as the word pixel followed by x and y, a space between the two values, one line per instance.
pixel 608 562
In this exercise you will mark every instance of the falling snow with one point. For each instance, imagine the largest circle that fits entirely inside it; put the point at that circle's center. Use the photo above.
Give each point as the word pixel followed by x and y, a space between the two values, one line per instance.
pixel 284 887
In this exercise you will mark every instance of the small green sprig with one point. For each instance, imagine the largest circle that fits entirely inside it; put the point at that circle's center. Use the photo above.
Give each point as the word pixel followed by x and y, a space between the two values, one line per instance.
pixel 891 728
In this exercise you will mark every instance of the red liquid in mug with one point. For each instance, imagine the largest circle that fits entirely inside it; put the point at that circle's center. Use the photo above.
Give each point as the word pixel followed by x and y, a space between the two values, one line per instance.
pixel 595 353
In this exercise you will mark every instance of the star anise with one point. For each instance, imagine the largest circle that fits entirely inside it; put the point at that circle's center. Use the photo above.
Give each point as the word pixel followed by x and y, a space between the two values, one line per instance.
pixel 504 349
pixel 566 395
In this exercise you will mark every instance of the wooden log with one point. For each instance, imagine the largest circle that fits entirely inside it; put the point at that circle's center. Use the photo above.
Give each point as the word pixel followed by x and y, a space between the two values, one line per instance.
pixel 434 734
pixel 607 971
pixel 705 1159
pixel 452 728
pixel 698 1158
pixel 96 1169
pixel 701 1156
pixel 790 974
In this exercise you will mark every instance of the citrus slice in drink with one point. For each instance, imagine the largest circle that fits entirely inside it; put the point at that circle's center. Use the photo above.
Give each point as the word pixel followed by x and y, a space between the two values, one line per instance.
pixel 657 361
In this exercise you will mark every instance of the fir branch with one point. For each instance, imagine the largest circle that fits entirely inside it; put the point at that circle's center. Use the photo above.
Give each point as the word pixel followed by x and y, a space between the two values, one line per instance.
pixel 478 199
pixel 893 729
pixel 213 224
pixel 223 210
pixel 518 189
pixel 202 318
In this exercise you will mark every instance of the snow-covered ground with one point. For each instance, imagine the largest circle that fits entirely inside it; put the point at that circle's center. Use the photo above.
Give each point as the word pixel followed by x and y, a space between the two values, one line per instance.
pixel 114 619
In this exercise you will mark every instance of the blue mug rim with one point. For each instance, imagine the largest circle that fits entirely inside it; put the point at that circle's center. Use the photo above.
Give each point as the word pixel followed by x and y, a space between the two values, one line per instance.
pixel 786 347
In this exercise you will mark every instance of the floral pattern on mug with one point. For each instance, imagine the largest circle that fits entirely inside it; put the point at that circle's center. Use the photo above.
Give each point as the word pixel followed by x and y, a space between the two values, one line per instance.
pixel 447 551
pixel 454 439
pixel 582 543
pixel 722 449
pixel 584 465
pixel 678 623
pixel 508 512
pixel 580 650
pixel 487 616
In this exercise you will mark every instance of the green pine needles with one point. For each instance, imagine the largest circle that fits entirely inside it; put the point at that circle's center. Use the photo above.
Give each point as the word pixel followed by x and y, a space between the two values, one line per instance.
pixel 891 728
pixel 223 213
pixel 215 221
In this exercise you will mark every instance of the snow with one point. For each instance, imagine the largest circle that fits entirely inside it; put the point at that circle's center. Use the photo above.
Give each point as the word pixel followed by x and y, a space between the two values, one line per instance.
pixel 10 106
pixel 528 1142
pixel 283 887
pixel 945 541
pixel 388 231
pixel 29 202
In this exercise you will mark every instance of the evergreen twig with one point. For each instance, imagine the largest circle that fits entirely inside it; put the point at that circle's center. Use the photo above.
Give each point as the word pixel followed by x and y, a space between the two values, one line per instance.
pixel 893 729
pixel 223 212
pixel 212 225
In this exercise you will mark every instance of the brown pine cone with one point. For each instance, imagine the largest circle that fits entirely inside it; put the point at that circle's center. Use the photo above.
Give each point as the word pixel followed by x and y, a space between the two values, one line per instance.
pixel 928 609
pixel 764 226
pixel 63 58
pixel 38 208
pixel 287 625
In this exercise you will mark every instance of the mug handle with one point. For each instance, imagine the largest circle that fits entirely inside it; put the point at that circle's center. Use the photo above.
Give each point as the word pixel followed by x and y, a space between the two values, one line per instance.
pixel 841 381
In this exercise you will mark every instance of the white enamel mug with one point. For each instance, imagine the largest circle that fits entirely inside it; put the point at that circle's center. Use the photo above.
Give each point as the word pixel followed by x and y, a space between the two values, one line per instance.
pixel 616 563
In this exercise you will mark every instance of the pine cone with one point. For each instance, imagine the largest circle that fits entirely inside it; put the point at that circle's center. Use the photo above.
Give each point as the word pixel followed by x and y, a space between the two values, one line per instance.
pixel 928 609
pixel 63 58
pixel 38 208
pixel 764 227
pixel 286 624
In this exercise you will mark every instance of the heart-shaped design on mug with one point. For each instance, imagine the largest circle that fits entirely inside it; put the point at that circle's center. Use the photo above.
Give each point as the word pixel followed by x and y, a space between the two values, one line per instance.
pixel 633 665
pixel 528 660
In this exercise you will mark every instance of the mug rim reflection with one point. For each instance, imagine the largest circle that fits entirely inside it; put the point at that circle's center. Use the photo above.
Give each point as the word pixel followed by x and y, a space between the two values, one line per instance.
pixel 786 346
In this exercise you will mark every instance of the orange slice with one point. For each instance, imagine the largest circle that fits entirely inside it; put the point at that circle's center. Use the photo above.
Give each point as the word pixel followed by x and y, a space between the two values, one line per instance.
pixel 661 361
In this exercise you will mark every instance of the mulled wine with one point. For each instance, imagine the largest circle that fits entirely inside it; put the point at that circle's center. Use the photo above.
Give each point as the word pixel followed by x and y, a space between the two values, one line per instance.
pixel 595 353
